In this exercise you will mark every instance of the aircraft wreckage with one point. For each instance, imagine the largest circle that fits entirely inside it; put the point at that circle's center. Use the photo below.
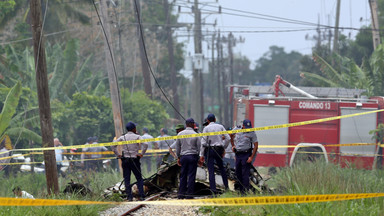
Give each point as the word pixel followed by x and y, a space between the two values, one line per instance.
pixel 167 180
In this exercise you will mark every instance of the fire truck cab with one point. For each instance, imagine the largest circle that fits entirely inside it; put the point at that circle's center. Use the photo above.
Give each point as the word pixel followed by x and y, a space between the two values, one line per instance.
pixel 264 107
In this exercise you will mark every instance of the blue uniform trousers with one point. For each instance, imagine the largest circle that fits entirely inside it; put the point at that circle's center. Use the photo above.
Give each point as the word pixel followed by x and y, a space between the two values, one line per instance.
pixel 214 154
pixel 128 165
pixel 188 175
pixel 243 170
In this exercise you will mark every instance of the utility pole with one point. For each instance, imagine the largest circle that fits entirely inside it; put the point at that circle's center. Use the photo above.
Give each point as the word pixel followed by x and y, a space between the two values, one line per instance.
pixel 219 71
pixel 144 64
pixel 171 55
pixel 121 50
pixel 112 76
pixel 375 23
pixel 213 71
pixel 336 38
pixel 198 110
pixel 231 44
pixel 43 97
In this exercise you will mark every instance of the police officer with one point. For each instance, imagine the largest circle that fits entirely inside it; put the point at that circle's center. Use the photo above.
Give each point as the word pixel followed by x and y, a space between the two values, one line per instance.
pixel 187 151
pixel 245 146
pixel 151 158
pixel 178 128
pixel 130 159
pixel 215 146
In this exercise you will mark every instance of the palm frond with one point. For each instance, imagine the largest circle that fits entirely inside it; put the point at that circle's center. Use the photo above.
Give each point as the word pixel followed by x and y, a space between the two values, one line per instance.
pixel 24 133
pixel 9 107
pixel 327 69
pixel 319 80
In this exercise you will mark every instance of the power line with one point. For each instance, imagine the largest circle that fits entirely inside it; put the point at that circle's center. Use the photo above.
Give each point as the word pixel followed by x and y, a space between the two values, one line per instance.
pixel 259 14
pixel 113 63
pixel 146 58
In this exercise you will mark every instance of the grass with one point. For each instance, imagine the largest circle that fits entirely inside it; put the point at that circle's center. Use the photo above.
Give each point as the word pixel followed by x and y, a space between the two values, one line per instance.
pixel 317 178
pixel 303 179
pixel 35 184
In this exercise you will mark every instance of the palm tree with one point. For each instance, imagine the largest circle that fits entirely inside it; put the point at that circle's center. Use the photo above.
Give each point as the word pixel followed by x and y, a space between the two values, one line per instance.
pixel 368 76
pixel 68 73
pixel 7 117
pixel 58 11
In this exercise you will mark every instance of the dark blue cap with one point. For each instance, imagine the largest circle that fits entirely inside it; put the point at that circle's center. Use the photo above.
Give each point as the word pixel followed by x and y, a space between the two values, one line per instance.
pixel 247 123
pixel 211 117
pixel 145 130
pixel 205 123
pixel 189 121
pixel 90 140
pixel 130 126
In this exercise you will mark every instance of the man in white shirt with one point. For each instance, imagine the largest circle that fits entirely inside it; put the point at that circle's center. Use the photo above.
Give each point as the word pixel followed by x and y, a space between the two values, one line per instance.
pixel 23 194
pixel 150 159
pixel 215 149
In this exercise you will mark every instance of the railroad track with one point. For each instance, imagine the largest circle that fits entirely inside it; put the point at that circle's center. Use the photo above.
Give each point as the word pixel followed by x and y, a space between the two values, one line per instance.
pixel 135 208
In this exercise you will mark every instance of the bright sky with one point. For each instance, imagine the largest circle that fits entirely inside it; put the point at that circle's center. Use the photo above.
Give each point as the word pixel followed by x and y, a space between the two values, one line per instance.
pixel 354 13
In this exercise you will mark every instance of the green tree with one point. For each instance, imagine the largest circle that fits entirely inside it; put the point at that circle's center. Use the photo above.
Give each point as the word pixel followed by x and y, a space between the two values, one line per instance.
pixel 68 72
pixel 277 61
pixel 142 110
pixel 86 115
pixel 368 76
pixel 243 75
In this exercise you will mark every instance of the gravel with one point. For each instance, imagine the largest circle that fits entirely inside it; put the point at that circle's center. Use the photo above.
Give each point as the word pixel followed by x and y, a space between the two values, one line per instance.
pixel 156 210
pixel 159 210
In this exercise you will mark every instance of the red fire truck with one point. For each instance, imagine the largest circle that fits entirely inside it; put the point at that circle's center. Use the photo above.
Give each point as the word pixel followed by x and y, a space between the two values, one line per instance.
pixel 264 106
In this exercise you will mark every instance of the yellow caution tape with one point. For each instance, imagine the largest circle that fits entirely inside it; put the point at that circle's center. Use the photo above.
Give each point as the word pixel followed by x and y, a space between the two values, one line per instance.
pixel 5 201
pixel 265 200
pixel 164 151
pixel 204 134
pixel 75 160
pixel 232 201
pixel 89 159
pixel 325 145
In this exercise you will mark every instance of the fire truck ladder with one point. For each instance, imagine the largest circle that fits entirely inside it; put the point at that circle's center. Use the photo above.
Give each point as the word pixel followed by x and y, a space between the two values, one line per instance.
pixel 279 80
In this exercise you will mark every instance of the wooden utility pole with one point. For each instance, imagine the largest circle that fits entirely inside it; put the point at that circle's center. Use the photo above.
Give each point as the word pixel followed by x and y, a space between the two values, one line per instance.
pixel 336 38
pixel 43 97
pixel 112 75
pixel 375 23
pixel 144 63
pixel 197 111
pixel 219 71
pixel 171 60
pixel 231 44
pixel 213 72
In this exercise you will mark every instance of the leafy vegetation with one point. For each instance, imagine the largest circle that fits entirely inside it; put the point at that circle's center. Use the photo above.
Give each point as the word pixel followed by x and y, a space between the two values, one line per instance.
pixel 348 74
pixel 317 178
pixel 277 62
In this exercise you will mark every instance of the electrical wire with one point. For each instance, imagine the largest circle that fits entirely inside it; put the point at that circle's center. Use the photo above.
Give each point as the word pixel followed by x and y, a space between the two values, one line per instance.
pixel 147 60
pixel 274 18
pixel 113 64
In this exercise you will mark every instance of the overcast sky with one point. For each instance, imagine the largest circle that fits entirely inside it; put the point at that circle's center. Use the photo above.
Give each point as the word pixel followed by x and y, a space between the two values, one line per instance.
pixel 354 13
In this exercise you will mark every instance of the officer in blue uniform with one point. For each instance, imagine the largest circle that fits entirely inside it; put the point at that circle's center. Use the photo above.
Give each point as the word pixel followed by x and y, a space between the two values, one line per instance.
pixel 187 151
pixel 245 146
pixel 130 159
pixel 215 146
